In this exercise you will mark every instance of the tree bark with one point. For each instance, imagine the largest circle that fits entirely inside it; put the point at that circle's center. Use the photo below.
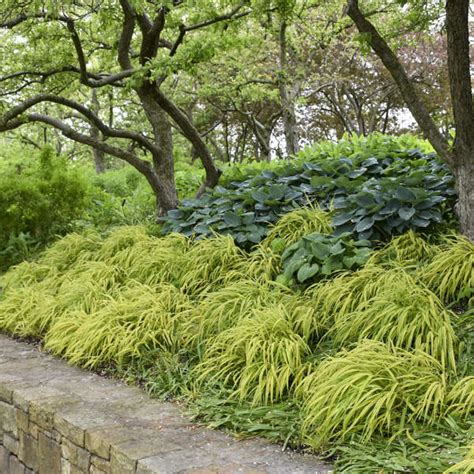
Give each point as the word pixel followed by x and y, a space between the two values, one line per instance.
pixel 192 134
pixel 163 160
pixel 287 102
pixel 457 28
pixel 98 155
pixel 464 174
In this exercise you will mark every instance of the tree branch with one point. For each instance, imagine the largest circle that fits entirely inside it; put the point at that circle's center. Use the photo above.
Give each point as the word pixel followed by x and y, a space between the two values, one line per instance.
pixel 233 15
pixel 151 37
pixel 17 111
pixel 142 166
pixel 126 35
pixel 88 79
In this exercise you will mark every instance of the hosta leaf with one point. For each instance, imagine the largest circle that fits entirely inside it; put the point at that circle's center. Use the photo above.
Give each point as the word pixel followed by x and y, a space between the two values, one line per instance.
pixel 320 250
pixel 292 266
pixel 419 222
pixel 307 271
pixel 259 196
pixel 405 194
pixel 340 219
pixel 406 213
pixel 232 220
pixel 365 200
pixel 365 224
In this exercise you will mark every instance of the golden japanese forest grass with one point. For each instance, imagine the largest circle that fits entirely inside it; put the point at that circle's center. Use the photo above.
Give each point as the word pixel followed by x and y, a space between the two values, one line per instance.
pixel 365 353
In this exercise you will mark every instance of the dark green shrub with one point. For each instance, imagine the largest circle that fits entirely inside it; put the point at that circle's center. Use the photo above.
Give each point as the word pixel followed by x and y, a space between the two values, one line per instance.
pixel 38 200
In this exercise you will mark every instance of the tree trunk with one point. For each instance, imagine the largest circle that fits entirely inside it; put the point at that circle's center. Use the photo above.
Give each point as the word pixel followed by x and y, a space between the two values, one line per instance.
pixel 287 102
pixel 457 28
pixel 98 155
pixel 164 185
pixel 464 174
pixel 191 133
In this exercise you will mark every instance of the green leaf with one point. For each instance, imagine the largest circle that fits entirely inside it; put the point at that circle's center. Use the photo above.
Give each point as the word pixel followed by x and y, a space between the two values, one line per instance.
pixel 341 219
pixel 337 248
pixel 320 251
pixel 406 213
pixel 405 194
pixel 365 224
pixel 292 266
pixel 260 196
pixel 232 219
pixel 277 191
pixel 365 200
pixel 307 271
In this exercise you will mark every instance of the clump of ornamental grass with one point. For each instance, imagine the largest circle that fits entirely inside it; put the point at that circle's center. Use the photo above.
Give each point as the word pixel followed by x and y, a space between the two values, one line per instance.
pixel 72 249
pixel 407 249
pixel 305 317
pixel 350 292
pixel 292 226
pixel 153 260
pixel 263 264
pixel 210 264
pixel 140 319
pixel 26 274
pixel 369 390
pixel 88 286
pixel 407 316
pixel 461 397
pixel 450 275
pixel 222 309
pixel 122 238
pixel 26 311
pixel 258 358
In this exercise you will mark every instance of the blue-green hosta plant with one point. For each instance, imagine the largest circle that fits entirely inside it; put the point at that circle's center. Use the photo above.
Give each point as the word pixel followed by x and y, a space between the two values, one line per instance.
pixel 375 197
pixel 321 255
pixel 382 208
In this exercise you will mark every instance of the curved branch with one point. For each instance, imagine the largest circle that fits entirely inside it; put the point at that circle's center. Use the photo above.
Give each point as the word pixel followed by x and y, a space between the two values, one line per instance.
pixel 18 110
pixel 141 165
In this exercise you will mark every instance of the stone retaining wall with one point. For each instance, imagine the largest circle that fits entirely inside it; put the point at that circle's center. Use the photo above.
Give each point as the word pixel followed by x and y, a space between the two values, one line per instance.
pixel 57 419
pixel 32 441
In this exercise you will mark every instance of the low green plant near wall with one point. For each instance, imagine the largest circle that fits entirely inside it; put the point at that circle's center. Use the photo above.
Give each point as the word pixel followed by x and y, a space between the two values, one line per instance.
pixel 371 362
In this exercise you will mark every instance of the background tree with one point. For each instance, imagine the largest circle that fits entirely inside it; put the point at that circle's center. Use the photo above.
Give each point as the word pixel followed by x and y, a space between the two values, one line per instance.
pixel 459 155
pixel 75 46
